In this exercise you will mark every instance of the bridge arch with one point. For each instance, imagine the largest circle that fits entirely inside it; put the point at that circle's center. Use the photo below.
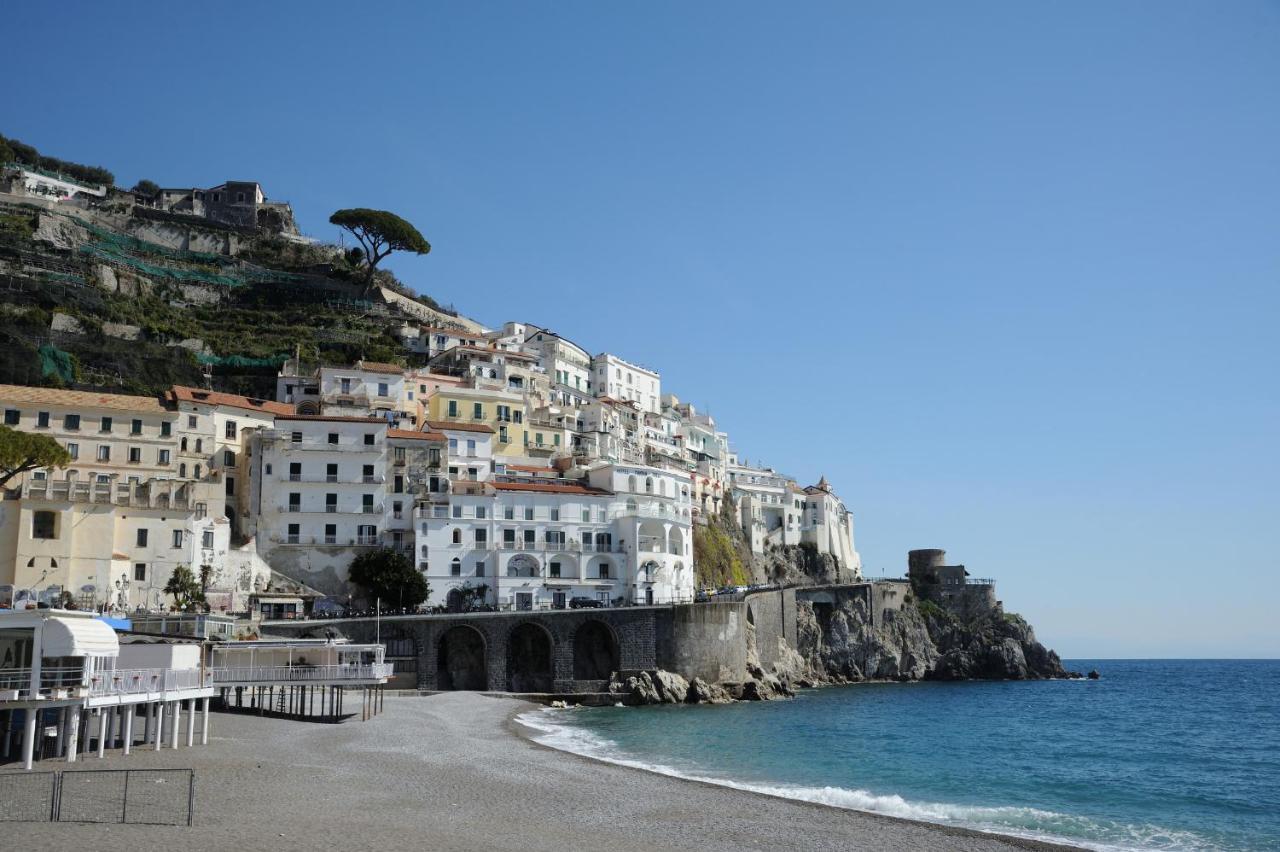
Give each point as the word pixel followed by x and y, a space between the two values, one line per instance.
pixel 595 651
pixel 461 659
pixel 530 656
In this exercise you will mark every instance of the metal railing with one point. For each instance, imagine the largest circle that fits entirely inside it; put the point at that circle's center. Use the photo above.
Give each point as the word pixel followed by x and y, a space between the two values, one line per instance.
pixel 296 674
pixel 136 681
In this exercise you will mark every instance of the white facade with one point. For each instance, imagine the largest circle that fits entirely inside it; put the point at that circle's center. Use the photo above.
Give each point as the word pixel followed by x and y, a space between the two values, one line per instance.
pixel 613 377
pixel 539 542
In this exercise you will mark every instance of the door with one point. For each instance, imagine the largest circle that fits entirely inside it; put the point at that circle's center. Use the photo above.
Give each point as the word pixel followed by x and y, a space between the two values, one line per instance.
pixel 558 600
pixel 648 596
pixel 524 601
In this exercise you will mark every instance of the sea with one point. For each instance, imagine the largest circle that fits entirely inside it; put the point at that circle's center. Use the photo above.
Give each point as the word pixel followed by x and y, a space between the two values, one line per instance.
pixel 1156 754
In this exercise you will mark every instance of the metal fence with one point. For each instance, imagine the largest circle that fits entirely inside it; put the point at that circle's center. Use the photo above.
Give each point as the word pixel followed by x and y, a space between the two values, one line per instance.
pixel 136 796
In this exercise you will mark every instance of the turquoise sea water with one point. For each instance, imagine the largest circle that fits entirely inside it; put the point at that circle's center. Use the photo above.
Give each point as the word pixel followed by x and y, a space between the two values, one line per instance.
pixel 1158 754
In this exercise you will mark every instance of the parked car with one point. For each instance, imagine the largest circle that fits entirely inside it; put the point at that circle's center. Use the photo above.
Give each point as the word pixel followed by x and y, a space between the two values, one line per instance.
pixel 584 602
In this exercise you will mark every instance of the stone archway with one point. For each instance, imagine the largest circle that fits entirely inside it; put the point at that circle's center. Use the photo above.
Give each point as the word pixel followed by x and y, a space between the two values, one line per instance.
pixel 529 659
pixel 453 600
pixel 595 651
pixel 460 660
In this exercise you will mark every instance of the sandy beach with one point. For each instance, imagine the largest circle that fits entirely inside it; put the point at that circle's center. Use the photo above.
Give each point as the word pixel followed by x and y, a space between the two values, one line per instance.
pixel 453 772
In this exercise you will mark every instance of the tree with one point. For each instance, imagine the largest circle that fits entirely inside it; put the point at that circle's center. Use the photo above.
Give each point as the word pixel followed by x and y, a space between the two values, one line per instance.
pixel 386 574
pixel 6 153
pixel 379 233
pixel 23 451
pixel 185 588
pixel 146 187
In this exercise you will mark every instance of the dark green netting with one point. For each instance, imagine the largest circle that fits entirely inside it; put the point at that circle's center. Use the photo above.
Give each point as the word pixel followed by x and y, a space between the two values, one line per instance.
pixel 55 362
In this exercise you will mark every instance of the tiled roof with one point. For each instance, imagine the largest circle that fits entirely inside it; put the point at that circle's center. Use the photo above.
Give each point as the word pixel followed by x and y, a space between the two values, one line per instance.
pixel 86 399
pixel 447 426
pixel 183 394
pixel 553 488
pixel 334 418
pixel 421 436
pixel 529 468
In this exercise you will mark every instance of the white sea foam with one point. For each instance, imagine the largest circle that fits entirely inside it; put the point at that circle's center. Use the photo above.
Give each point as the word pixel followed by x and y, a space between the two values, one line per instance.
pixel 556 731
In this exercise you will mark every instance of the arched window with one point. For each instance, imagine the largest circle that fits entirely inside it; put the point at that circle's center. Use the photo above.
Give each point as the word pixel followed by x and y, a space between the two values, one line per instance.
pixel 183 445
pixel 648 484
pixel 197 471
pixel 631 483
pixel 199 444
pixel 662 487
pixel 457 536
pixel 182 471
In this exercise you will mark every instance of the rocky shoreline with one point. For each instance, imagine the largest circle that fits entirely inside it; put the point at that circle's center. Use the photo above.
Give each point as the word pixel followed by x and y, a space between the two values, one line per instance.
pixel 844 645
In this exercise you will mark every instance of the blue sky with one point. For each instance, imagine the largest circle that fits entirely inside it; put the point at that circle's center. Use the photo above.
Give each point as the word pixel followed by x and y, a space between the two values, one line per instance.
pixel 1004 272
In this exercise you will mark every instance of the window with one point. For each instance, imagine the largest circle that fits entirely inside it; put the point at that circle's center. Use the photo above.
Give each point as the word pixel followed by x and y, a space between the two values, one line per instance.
pixel 480 512
pixel 586 516
pixel 42 420
pixel 509 539
pixel 453 409
pixel 330 533
pixel 12 416
pixel 199 445
pixel 331 473
pixel 296 437
pixel 135 427
pixel 166 429
pixel 457 511
pixel 509 512
pixel 528 513
pixel 142 538
pixel 530 538
pixel 503 437
pixel 104 452
pixel 383 390
pixel 135 455
pixel 366 503
pixel 293 533
pixel 333 437
pixel 228 458
pixel 453 446
pixel 162 457
pixel 482 537
pixel 140 572
pixel 196 474
pixel 206 539
pixel 517 416
pixel 295 471
pixel 397 508
pixel 457 535
pixel 555 538
pixel 344 385
pixel 331 503
pixel 44 524
pixel 477 411
pixel 105 425
pixel 455 567
pixel 231 430
pixel 177 538
pixel 295 501
pixel 192 420
pixel 479 569
pixel 71 422
pixel 555 569
pixel 555 513
pixel 73 450
pixel 368 439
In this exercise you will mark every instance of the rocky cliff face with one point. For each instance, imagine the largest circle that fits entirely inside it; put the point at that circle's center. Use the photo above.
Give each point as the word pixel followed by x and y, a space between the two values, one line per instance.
pixel 919 644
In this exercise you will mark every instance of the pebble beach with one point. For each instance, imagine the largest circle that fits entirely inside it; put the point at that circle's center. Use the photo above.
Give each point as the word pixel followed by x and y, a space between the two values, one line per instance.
pixel 456 771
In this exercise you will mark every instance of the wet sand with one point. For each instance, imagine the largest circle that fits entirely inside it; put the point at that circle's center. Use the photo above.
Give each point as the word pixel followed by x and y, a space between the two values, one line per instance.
pixel 453 772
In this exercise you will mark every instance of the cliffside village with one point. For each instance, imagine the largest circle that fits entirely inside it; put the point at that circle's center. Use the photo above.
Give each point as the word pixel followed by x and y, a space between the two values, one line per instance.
pixel 514 469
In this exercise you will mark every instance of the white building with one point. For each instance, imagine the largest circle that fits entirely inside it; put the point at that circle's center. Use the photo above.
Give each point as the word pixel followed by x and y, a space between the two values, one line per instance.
pixel 528 541
pixel 321 495
pixel 613 377
pixel 567 364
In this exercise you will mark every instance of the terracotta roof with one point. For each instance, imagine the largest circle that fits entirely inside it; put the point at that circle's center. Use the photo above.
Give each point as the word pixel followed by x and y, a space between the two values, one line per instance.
pixel 421 436
pixel 529 468
pixel 378 367
pixel 446 426
pixel 334 418
pixel 85 399
pixel 553 488
pixel 199 395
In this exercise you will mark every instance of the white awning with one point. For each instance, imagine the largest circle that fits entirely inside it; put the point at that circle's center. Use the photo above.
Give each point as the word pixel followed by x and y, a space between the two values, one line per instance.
pixel 78 637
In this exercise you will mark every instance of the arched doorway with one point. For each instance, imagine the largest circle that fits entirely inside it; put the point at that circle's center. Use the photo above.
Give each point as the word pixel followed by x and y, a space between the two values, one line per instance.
pixel 460 660
pixel 595 651
pixel 454 600
pixel 529 666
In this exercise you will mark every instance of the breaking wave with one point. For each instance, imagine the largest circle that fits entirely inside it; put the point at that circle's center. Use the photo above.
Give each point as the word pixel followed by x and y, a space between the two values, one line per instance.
pixel 555 730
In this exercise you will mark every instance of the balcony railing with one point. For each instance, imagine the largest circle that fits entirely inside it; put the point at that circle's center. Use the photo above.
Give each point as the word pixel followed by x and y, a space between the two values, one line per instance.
pixel 301 674
pixel 134 681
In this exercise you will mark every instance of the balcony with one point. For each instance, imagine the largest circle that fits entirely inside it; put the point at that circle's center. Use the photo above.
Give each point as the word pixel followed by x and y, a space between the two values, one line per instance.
pixel 301 674
pixel 145 681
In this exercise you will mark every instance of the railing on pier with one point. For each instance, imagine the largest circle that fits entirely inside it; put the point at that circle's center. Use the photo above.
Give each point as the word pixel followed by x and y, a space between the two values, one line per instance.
pixel 301 674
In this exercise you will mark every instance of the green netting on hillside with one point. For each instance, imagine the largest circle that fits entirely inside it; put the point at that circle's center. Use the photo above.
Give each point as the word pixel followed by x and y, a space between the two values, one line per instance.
pixel 154 271
pixel 55 362
pixel 241 361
